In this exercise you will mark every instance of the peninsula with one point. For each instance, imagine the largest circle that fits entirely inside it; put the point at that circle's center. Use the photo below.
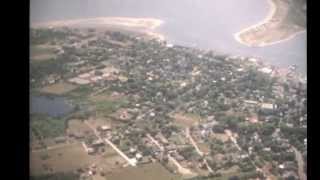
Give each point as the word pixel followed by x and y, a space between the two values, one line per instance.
pixel 285 20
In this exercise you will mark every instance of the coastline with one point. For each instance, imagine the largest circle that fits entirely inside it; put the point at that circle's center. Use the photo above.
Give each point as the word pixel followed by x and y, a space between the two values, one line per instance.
pixel 238 39
pixel 149 23
pixel 140 25
pixel 272 11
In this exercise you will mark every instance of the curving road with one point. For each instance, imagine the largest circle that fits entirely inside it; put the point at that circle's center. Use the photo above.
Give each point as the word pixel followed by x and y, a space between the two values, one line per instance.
pixel 300 161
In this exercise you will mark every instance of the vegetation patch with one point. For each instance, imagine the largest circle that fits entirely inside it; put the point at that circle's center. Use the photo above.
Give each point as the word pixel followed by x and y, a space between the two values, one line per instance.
pixel 42 53
pixel 76 126
pixel 80 93
pixel 47 127
pixel 186 120
pixel 106 107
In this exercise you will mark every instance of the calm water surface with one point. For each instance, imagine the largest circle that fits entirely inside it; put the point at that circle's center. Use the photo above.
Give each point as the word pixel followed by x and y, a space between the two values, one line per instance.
pixel 52 106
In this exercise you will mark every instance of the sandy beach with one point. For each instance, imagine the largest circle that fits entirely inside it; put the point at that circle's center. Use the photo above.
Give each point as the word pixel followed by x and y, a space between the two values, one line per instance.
pixel 274 21
pixel 146 26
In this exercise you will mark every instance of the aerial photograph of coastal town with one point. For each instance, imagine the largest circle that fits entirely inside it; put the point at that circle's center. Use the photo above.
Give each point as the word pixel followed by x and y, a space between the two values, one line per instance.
pixel 168 90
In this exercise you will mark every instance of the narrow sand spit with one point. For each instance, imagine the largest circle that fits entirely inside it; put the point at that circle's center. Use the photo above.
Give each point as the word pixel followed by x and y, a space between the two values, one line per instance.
pixel 269 18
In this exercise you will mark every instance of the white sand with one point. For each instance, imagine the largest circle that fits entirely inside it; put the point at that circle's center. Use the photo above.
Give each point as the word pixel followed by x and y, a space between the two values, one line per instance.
pixel 271 13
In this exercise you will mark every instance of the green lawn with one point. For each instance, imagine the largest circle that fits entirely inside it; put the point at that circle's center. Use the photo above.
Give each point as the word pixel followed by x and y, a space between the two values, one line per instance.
pixel 41 53
pixel 109 106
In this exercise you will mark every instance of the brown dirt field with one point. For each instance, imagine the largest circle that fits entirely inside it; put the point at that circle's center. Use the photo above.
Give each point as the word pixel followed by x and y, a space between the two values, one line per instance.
pixel 204 147
pixel 58 88
pixel 111 162
pixel 186 120
pixel 96 122
pixel 105 96
pixel 154 171
pixel 64 159
pixel 221 136
pixel 77 126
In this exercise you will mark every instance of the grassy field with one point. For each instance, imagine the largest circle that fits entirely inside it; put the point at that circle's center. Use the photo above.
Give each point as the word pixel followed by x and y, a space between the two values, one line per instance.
pixel 220 136
pixel 77 126
pixel 58 88
pixel 105 96
pixel 100 121
pixel 41 53
pixel 153 171
pixel 106 107
pixel 47 127
pixel 80 93
pixel 186 120
pixel 64 159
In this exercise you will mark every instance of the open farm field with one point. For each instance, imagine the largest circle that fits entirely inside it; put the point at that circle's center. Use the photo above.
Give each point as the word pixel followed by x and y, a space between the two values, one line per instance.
pixel 186 120
pixel 42 53
pixel 64 159
pixel 58 88
pixel 151 171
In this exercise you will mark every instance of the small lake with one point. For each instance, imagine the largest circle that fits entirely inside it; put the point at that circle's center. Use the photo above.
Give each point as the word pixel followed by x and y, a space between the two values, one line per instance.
pixel 52 106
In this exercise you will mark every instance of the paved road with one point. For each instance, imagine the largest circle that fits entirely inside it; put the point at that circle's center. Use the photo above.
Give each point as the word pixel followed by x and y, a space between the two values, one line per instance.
pixel 181 169
pixel 123 155
pixel 93 129
pixel 193 142
pixel 234 141
pixel 130 161
pixel 155 142
pixel 197 149
pixel 300 161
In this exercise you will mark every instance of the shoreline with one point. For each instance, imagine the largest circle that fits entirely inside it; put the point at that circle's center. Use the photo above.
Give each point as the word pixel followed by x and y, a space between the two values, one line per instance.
pixel 267 19
pixel 150 23
pixel 239 40
pixel 145 26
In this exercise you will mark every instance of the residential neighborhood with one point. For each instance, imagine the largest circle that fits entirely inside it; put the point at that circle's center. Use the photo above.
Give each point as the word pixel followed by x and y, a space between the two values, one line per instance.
pixel 142 103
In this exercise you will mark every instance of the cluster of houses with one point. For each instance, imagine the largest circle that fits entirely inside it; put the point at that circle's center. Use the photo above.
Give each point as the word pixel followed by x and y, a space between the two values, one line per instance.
pixel 108 73
pixel 205 83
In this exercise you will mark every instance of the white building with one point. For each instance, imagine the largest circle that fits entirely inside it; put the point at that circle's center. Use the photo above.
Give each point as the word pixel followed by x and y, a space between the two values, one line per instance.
pixel 266 70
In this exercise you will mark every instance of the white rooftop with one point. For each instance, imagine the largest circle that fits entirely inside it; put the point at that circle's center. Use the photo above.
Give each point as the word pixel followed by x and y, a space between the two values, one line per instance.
pixel 79 81
pixel 85 75
pixel 267 106
pixel 265 70
pixel 169 45
pixel 105 127
pixel 138 156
